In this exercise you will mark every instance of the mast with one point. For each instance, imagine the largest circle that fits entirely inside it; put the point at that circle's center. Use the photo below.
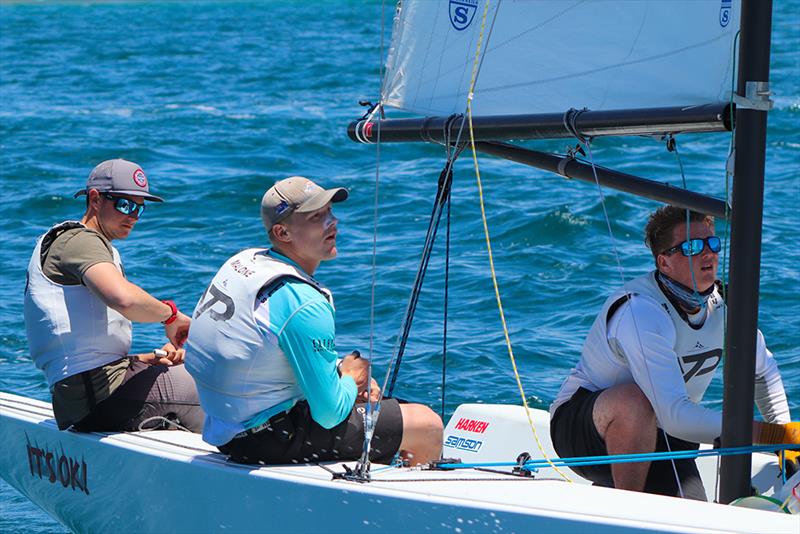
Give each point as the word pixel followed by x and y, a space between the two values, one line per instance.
pixel 746 222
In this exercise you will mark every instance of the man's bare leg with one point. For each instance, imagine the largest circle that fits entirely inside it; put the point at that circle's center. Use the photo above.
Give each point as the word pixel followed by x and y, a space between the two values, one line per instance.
pixel 422 434
pixel 624 418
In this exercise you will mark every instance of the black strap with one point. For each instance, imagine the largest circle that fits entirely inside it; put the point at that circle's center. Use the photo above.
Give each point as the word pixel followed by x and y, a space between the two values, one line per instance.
pixel 53 234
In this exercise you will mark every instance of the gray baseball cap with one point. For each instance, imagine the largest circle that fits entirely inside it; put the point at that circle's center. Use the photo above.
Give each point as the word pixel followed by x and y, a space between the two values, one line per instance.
pixel 296 194
pixel 119 176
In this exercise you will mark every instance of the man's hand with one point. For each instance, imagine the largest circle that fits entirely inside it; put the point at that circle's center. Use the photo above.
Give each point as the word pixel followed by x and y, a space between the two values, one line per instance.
pixel 166 355
pixel 178 330
pixel 356 367
pixel 374 393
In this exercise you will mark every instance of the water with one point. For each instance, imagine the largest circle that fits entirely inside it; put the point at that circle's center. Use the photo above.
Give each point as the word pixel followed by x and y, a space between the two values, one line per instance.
pixel 217 101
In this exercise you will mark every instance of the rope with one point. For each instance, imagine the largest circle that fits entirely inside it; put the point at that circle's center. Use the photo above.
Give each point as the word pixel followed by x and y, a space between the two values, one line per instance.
pixel 446 299
pixel 728 175
pixel 370 418
pixel 475 69
pixel 628 296
pixel 626 458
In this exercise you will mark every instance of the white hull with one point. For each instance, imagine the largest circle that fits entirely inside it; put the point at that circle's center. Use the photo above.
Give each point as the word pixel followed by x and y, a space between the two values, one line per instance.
pixel 168 481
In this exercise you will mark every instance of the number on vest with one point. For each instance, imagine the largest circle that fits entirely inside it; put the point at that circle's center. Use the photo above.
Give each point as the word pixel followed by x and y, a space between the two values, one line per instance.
pixel 215 296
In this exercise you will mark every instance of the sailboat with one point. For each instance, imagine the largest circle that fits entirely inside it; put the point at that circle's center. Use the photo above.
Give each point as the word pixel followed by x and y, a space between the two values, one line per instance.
pixel 495 475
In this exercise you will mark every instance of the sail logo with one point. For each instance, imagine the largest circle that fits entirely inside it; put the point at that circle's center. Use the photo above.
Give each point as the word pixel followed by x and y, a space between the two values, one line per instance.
pixel 57 467
pixel 725 9
pixel 463 444
pixel 462 12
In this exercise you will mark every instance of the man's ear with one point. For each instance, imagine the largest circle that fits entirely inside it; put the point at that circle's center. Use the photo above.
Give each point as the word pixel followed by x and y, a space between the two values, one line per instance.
pixel 92 200
pixel 662 262
pixel 281 233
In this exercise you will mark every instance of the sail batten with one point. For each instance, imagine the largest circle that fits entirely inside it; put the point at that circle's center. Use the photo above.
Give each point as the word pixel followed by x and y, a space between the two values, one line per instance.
pixel 547 56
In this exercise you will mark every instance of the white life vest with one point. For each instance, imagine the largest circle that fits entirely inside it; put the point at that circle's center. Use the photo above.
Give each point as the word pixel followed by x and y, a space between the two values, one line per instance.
pixel 70 330
pixel 698 348
pixel 239 369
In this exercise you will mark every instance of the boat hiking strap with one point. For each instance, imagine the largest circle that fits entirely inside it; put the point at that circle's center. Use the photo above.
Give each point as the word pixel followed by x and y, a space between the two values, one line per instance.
pixel 624 458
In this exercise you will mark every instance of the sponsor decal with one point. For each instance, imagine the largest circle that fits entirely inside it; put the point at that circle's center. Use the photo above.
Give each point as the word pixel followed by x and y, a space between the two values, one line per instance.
pixel 462 12
pixel 725 8
pixel 698 363
pixel 368 129
pixel 324 345
pixel 139 178
pixel 463 444
pixel 471 425
pixel 58 467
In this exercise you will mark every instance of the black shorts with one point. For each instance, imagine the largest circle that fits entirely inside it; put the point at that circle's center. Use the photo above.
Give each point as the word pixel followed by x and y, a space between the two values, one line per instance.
pixel 295 437
pixel 574 434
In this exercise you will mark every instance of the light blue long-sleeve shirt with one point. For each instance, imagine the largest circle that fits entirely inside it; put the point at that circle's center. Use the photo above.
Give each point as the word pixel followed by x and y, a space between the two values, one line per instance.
pixel 302 320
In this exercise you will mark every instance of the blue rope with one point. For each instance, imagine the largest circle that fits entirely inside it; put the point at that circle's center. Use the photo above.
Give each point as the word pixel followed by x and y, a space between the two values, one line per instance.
pixel 626 458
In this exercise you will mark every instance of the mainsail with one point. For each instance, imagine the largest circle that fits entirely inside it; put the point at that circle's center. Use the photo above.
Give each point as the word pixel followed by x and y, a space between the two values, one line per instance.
pixel 548 56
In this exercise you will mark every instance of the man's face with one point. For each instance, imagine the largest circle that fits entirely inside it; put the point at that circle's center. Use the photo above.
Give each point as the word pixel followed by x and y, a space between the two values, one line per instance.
pixel 115 224
pixel 680 267
pixel 313 234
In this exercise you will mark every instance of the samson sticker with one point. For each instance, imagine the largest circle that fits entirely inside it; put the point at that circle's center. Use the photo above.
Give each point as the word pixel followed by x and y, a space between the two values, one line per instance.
pixel 463 444
pixel 58 467
pixel 471 425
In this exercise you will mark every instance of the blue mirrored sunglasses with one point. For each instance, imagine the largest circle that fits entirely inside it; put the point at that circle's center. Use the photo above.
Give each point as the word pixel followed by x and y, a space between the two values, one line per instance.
pixel 693 247
pixel 126 206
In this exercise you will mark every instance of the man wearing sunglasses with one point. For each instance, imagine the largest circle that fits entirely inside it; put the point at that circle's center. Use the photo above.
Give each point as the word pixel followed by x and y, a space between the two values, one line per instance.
pixel 79 307
pixel 647 362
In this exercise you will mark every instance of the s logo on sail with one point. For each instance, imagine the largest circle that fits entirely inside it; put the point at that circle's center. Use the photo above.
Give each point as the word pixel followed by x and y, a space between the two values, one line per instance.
pixel 462 12
pixel 725 12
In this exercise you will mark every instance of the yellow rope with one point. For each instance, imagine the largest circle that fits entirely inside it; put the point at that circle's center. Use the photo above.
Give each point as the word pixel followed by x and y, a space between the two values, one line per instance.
pixel 489 247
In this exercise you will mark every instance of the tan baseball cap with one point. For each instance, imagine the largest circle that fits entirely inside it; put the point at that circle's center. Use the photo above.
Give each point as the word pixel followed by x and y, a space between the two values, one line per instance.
pixel 296 194
pixel 119 176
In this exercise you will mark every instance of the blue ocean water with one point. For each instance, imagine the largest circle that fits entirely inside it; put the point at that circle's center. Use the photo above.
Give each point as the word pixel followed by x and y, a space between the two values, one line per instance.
pixel 218 100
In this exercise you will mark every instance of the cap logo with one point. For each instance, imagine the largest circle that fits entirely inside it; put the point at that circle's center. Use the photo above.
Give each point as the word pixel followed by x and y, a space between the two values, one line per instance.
pixel 139 178
pixel 281 207
pixel 311 186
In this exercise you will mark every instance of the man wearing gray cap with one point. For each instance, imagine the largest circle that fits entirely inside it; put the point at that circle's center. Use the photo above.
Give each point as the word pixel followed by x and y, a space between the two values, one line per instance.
pixel 78 309
pixel 263 352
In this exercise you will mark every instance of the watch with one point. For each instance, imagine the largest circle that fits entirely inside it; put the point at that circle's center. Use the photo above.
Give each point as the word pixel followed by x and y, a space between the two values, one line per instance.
pixel 174 315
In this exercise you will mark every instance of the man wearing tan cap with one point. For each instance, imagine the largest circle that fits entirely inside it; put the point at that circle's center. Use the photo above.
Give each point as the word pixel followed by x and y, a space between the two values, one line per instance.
pixel 78 311
pixel 263 353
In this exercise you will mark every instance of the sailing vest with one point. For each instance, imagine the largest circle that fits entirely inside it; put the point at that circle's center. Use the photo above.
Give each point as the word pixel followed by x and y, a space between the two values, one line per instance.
pixel 70 330
pixel 698 348
pixel 239 368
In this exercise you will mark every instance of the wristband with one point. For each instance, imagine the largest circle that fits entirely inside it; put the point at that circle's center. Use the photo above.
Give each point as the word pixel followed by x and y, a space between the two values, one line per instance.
pixel 173 315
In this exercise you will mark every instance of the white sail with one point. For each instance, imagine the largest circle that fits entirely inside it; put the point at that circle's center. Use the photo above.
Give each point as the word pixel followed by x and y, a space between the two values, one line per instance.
pixel 546 56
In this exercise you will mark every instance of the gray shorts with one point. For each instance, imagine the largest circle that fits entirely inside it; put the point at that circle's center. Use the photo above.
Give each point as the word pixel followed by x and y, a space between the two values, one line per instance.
pixel 148 395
